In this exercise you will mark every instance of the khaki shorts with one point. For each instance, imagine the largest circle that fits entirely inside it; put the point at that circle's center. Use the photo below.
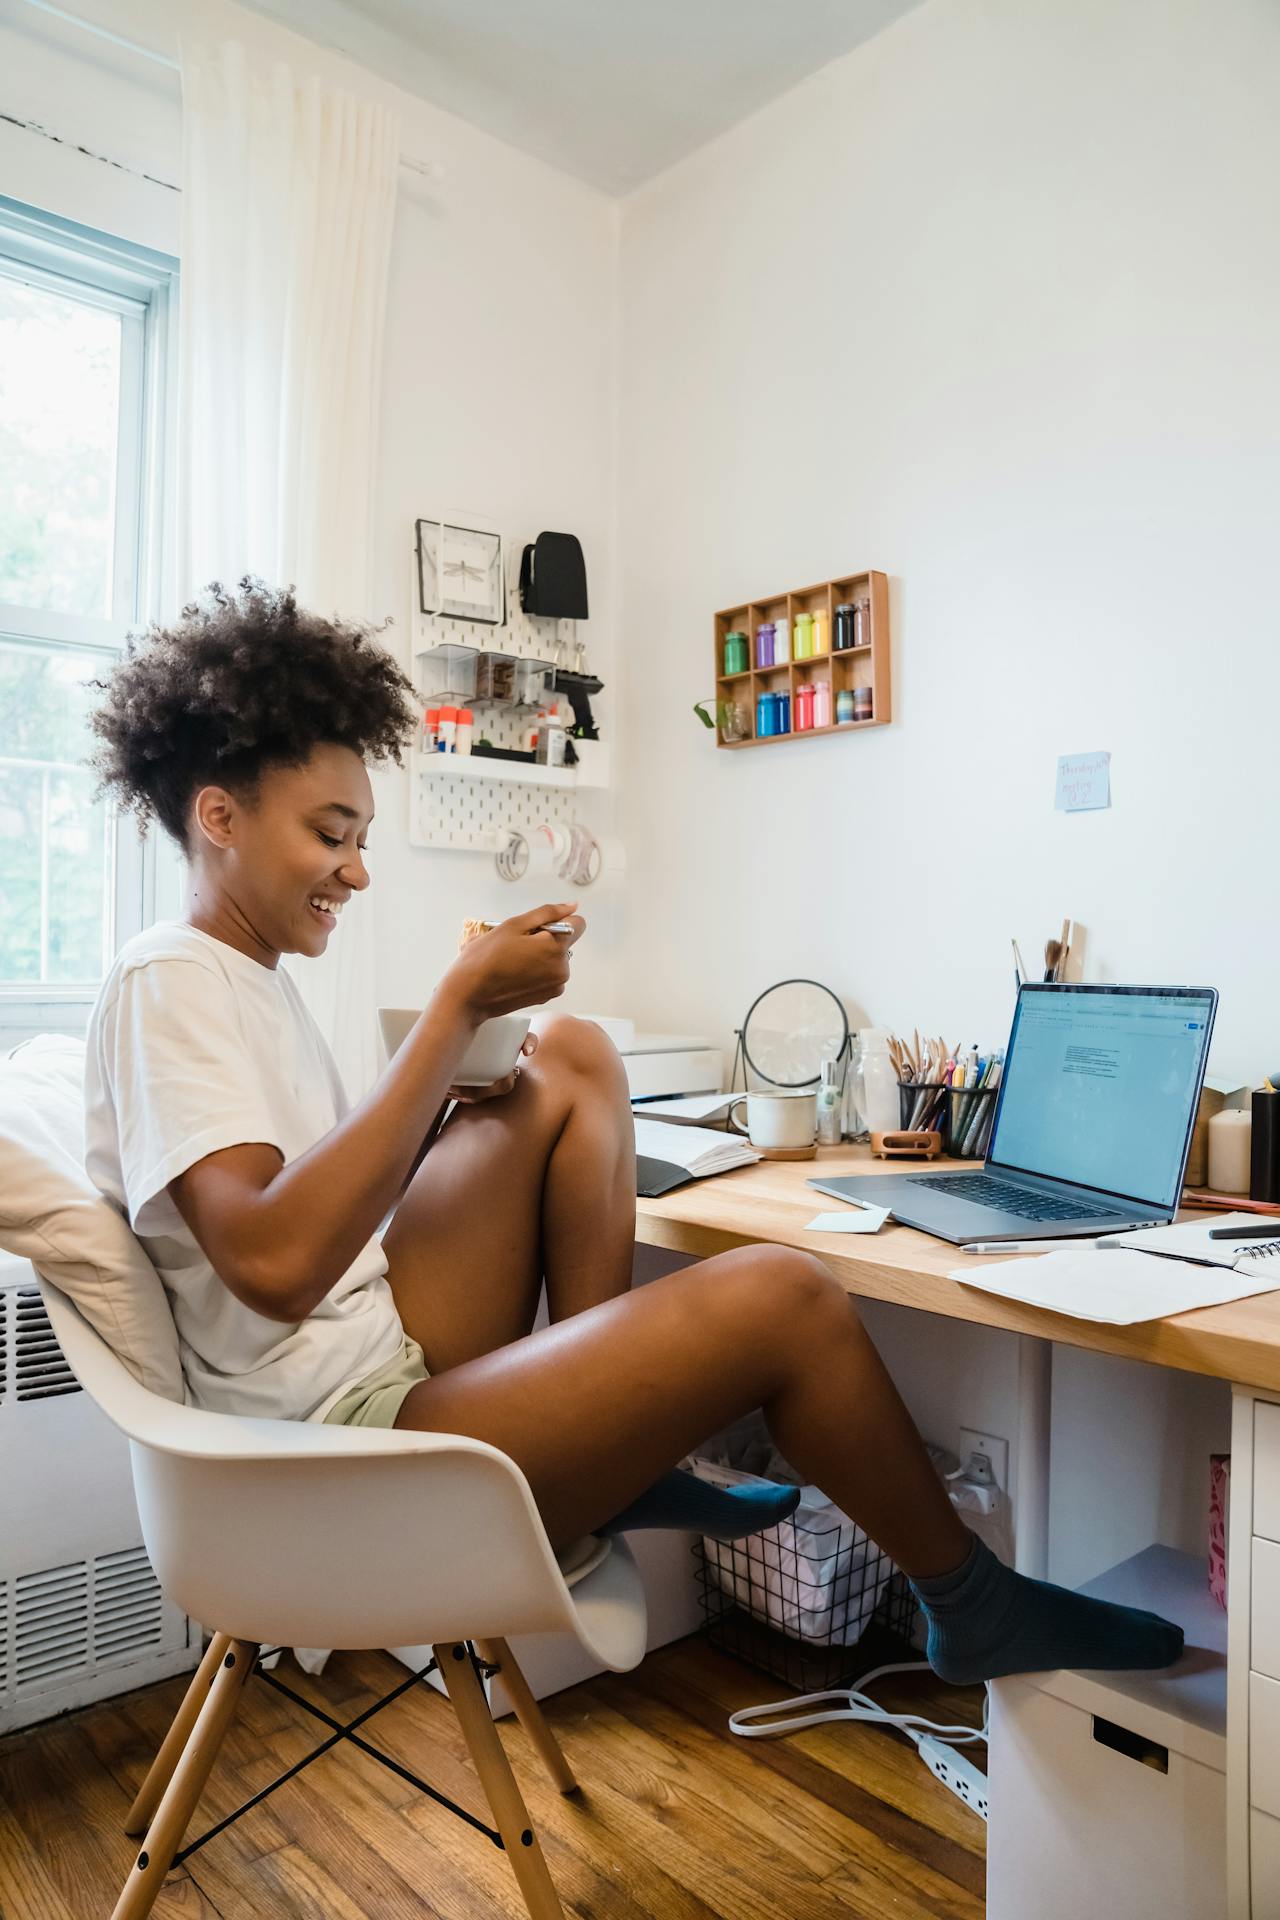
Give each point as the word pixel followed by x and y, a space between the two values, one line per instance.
pixel 376 1400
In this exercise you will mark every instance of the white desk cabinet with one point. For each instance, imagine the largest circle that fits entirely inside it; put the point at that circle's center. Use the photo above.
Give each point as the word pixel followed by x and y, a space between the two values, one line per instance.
pixel 1253 1739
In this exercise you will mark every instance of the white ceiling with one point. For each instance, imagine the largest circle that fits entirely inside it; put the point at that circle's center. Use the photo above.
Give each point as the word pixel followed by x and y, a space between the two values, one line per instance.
pixel 610 90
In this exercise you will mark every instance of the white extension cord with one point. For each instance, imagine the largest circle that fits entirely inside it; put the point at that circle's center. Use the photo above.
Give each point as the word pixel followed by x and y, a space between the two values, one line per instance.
pixel 974 1493
pixel 937 1745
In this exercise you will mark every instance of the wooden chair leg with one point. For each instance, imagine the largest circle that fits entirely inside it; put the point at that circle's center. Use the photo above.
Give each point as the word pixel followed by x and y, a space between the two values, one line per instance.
pixel 186 1783
pixel 498 1781
pixel 149 1793
pixel 498 1654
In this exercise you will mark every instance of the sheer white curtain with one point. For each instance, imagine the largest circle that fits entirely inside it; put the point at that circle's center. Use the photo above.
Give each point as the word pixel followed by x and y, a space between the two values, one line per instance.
pixel 288 199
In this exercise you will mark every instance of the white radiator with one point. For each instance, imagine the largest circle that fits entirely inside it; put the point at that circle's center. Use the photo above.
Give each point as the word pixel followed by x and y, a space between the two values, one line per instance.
pixel 81 1615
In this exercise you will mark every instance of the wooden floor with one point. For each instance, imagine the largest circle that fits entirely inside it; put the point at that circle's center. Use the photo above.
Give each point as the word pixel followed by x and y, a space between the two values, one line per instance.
pixel 677 1820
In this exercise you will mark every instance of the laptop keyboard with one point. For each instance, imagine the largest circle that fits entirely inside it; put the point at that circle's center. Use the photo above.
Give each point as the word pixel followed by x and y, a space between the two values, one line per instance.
pixel 989 1192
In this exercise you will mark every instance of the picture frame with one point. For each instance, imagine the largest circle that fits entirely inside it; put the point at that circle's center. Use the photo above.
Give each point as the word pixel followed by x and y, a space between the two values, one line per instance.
pixel 461 575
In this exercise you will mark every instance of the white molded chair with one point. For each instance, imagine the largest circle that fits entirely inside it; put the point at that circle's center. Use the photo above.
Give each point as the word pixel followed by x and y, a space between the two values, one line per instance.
pixel 285 1533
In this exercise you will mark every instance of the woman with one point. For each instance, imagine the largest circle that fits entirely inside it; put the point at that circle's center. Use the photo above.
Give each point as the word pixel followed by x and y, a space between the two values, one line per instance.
pixel 216 1122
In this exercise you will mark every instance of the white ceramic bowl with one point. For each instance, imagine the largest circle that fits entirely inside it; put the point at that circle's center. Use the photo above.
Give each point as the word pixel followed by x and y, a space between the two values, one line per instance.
pixel 494 1050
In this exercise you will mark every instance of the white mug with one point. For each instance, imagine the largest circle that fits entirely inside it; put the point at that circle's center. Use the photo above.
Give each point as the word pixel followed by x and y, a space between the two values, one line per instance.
pixel 780 1120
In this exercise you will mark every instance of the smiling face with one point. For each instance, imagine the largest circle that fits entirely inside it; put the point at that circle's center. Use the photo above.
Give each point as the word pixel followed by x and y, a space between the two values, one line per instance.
pixel 273 868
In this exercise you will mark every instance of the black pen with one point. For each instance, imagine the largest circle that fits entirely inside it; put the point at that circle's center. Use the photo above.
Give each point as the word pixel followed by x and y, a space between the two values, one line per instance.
pixel 1269 1229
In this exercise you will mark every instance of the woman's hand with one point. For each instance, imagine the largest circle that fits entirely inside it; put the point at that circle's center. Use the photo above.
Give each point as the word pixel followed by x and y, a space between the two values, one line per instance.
pixel 518 965
pixel 475 1096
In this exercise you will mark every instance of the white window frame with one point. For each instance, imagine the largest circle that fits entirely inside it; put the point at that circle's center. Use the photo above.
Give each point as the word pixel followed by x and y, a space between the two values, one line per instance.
pixel 141 286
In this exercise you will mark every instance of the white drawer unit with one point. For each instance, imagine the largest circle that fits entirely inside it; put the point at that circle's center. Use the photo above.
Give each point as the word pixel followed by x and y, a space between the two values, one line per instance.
pixel 1266 1470
pixel 1108 1792
pixel 1264 1606
pixel 1264 1743
pixel 1264 1849
pixel 1253 1737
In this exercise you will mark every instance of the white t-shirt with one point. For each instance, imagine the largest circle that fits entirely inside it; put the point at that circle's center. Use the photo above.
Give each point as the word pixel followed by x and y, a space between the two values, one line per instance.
pixel 193 1047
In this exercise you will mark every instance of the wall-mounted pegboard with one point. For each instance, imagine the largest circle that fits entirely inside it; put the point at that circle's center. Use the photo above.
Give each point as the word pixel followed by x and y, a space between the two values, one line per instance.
pixel 473 817
pixel 469 815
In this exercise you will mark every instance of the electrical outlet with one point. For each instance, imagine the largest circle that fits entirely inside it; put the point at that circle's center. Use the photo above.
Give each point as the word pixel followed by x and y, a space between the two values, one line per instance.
pixel 974 1440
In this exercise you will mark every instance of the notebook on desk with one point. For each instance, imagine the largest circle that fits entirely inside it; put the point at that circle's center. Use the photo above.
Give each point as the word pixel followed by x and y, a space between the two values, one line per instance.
pixel 1190 1241
pixel 669 1156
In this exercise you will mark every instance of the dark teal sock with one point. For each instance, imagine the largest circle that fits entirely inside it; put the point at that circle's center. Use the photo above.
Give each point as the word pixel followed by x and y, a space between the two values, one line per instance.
pixel 985 1620
pixel 681 1500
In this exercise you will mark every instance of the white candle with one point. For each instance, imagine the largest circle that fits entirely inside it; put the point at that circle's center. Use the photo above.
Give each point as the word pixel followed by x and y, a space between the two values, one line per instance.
pixel 1229 1138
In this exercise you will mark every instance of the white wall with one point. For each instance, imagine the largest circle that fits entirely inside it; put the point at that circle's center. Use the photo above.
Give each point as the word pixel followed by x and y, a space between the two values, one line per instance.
pixel 499 374
pixel 992 305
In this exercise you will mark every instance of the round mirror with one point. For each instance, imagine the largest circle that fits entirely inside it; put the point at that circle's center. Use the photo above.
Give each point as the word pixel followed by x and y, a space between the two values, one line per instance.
pixel 789 1031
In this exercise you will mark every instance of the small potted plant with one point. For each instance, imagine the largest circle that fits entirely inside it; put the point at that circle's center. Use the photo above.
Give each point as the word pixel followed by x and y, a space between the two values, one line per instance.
pixel 732 718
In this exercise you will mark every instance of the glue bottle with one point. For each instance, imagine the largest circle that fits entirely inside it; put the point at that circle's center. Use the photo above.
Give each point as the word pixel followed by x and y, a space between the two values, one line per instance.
pixel 830 1105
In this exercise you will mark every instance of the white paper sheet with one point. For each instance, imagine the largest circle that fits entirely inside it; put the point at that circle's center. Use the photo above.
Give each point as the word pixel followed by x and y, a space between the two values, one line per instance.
pixel 862 1220
pixel 1114 1287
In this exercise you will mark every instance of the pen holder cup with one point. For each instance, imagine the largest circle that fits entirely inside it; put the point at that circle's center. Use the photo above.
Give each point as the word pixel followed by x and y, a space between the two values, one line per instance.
pixel 969 1129
pixel 923 1107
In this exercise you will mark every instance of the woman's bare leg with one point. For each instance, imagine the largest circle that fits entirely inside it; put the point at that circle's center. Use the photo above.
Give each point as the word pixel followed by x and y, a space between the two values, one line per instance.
pixel 596 1408
pixel 538 1184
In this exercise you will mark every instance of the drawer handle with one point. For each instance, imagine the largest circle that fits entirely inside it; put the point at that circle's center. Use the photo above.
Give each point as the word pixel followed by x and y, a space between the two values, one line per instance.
pixel 1132 1745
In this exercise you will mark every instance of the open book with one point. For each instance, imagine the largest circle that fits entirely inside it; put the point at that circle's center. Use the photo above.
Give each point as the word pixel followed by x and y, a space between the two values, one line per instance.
pixel 697 1150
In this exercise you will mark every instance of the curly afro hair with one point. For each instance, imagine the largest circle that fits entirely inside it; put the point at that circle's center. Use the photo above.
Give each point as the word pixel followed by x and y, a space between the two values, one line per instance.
pixel 243 682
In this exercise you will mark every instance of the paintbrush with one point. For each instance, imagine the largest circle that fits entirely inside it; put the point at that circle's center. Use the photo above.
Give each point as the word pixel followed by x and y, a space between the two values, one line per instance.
pixel 1052 955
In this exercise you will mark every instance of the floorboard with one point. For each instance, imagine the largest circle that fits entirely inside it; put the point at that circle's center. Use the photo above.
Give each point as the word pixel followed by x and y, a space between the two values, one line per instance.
pixel 676 1820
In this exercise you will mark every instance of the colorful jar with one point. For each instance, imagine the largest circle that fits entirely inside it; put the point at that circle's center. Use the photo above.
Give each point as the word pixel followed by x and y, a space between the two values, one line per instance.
pixel 821 638
pixel 764 644
pixel 822 703
pixel 862 623
pixel 844 627
pixel 781 643
pixel 769 716
pixel 844 707
pixel 804 636
pixel 736 657
pixel 804 709
pixel 862 703
pixel 784 713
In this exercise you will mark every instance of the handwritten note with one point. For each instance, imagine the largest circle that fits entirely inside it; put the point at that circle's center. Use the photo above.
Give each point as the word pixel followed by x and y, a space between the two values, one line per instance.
pixel 1084 782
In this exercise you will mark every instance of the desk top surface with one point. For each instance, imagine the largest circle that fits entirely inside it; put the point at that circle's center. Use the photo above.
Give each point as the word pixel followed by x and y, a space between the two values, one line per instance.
pixel 770 1202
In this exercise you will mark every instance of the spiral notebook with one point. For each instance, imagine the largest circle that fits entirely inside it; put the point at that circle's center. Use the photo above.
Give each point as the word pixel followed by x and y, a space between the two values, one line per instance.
pixel 1123 1285
pixel 1191 1241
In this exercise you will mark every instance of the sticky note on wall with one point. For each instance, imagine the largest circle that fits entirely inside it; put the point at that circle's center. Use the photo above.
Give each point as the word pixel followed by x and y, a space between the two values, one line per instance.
pixel 1084 782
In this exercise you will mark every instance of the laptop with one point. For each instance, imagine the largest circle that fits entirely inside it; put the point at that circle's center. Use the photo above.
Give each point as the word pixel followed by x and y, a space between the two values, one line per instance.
pixel 1093 1121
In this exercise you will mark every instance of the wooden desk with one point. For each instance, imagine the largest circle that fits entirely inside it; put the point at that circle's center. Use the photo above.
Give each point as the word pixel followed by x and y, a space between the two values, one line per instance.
pixel 770 1202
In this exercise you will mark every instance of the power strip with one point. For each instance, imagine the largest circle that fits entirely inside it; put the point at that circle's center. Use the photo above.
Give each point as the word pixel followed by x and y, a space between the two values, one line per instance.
pixel 956 1772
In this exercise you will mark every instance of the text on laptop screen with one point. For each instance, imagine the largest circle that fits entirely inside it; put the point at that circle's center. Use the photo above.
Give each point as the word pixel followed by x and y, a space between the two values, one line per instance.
pixel 1098 1088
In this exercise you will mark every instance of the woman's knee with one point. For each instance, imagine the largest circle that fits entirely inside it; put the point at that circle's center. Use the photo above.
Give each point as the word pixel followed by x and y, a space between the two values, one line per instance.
pixel 783 1288
pixel 579 1047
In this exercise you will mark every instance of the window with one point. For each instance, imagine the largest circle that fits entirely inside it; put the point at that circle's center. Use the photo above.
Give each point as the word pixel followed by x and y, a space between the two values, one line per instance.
pixel 85 325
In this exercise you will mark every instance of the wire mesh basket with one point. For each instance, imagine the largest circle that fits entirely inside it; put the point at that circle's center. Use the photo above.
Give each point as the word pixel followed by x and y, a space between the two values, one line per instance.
pixel 762 1604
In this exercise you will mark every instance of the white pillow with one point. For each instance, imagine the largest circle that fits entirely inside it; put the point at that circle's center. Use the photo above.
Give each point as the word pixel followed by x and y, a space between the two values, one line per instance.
pixel 52 1214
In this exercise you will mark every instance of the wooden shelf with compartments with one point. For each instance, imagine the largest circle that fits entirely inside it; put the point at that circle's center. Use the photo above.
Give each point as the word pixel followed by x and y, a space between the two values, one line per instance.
pixel 852 670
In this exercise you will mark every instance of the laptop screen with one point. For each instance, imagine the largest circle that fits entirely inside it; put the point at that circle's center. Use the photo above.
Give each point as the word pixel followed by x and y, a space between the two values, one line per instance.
pixel 1101 1085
